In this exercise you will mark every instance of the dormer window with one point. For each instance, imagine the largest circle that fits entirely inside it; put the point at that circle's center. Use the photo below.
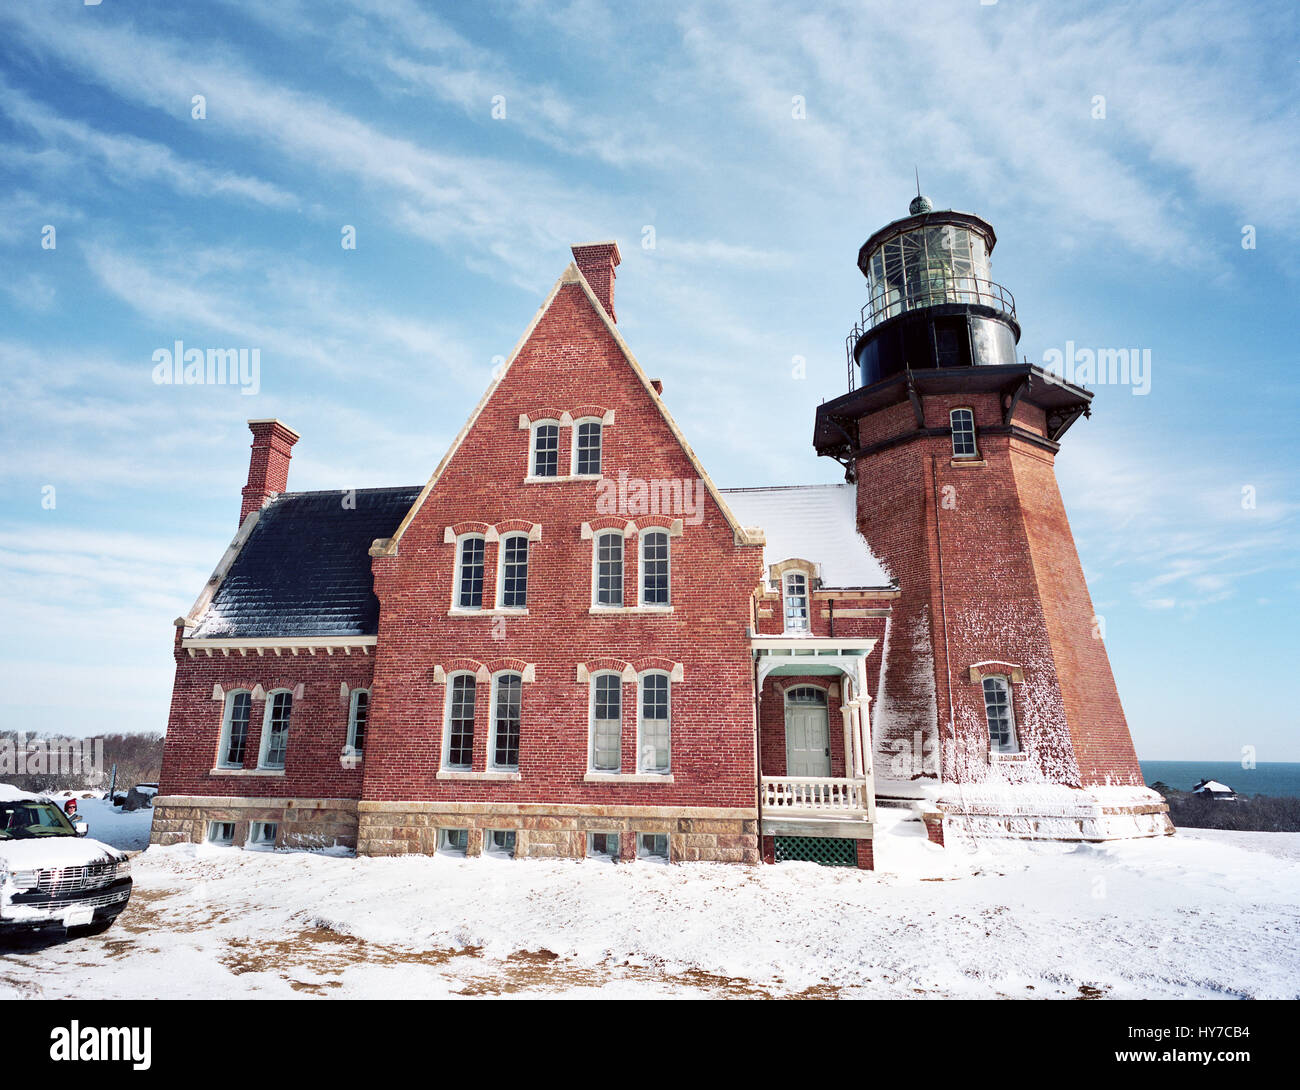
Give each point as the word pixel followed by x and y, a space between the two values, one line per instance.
pixel 795 586
pixel 586 448
pixel 963 433
pixel 546 449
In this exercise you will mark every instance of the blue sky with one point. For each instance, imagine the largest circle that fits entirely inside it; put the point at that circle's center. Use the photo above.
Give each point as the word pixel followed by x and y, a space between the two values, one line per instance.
pixel 1122 230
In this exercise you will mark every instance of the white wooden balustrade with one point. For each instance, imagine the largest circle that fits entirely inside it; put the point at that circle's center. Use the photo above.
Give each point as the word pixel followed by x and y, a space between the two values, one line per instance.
pixel 820 794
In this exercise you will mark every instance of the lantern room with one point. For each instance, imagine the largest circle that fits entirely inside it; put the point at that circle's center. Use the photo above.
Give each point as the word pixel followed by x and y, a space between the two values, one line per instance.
pixel 930 299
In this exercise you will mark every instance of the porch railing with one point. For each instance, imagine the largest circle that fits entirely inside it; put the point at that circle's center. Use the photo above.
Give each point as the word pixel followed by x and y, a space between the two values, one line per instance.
pixel 820 794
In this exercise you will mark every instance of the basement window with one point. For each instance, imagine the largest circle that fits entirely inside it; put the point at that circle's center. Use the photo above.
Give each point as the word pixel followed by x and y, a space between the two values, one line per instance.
pixel 453 841
pixel 261 834
pixel 602 845
pixel 221 833
pixel 499 842
pixel 652 846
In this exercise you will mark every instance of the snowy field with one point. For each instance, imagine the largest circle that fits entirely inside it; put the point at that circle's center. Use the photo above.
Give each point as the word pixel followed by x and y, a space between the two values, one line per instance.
pixel 1202 914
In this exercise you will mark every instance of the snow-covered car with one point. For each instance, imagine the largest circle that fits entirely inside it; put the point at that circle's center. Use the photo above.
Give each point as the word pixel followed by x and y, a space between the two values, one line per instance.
pixel 51 875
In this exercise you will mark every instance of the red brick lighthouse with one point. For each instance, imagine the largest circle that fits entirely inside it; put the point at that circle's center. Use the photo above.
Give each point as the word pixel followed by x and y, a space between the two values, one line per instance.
pixel 997 707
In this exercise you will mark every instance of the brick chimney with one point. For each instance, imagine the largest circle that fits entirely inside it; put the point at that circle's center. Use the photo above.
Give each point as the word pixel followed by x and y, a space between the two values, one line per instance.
pixel 268 469
pixel 597 261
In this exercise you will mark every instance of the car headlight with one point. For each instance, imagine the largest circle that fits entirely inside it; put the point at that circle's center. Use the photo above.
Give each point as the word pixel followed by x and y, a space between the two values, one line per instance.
pixel 22 879
pixel 124 869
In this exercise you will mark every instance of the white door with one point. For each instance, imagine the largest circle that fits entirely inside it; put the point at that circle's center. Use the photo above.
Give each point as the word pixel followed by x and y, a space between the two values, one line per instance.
pixel 807 740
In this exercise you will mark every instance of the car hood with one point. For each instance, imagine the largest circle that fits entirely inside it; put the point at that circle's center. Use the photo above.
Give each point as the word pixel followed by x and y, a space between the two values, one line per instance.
pixel 55 851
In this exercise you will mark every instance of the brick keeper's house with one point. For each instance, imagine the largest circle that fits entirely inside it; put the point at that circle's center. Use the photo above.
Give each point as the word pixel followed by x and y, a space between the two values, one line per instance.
pixel 570 642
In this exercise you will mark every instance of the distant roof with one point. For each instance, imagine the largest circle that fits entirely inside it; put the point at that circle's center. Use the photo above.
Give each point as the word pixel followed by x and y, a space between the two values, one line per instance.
pixel 815 522
pixel 305 568
pixel 1213 786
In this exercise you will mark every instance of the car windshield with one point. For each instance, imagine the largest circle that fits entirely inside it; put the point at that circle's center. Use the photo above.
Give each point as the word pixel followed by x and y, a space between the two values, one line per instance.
pixel 29 818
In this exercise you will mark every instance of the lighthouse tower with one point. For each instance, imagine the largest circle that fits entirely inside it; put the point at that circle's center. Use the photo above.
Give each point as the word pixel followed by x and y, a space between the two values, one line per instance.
pixel 997 708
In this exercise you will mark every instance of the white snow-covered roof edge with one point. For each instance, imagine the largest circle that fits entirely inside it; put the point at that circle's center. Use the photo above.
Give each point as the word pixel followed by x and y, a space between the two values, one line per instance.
pixel 817 523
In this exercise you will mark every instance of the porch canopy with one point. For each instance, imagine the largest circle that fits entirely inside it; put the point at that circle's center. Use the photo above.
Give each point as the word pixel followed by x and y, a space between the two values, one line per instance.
pixel 850 797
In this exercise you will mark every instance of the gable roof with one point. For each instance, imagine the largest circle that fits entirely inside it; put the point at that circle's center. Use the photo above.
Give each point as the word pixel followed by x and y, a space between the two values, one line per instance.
pixel 304 569
pixel 816 522
pixel 571 275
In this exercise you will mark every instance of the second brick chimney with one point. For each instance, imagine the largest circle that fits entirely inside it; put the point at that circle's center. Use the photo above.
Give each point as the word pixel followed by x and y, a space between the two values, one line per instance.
pixel 597 261
pixel 268 469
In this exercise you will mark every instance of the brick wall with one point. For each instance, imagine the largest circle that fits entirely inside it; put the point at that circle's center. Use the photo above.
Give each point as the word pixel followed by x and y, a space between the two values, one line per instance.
pixel 1012 589
pixel 570 364
pixel 318 724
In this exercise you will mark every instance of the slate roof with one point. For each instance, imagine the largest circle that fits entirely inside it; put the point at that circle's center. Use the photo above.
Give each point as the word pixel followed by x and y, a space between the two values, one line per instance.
pixel 818 523
pixel 305 568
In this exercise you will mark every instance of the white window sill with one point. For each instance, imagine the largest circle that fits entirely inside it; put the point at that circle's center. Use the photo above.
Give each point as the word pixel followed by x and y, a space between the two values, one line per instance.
pixel 550 480
pixel 998 755
pixel 500 611
pixel 628 777
pixel 624 610
pixel 492 774
pixel 246 772
pixel 969 462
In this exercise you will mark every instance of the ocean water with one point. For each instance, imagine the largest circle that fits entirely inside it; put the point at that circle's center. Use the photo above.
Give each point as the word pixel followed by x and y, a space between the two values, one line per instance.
pixel 1279 778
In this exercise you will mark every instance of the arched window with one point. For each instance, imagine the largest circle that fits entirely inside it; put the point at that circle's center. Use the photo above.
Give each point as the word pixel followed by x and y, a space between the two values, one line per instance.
pixel 507 698
pixel 587 436
pixel 655 582
pixel 469 572
pixel 358 716
pixel 546 449
pixel 234 729
pixel 796 601
pixel 275 729
pixel 512 592
pixel 1001 715
pixel 458 749
pixel 607 722
pixel 654 724
pixel 607 577
pixel 963 433
pixel 806 695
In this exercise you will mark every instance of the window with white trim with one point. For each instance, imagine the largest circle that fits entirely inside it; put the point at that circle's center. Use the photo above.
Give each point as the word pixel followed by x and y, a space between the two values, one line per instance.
pixel 275 729
pixel 507 700
pixel 512 585
pixel 234 729
pixel 358 716
pixel 963 433
pixel 607 722
pixel 546 449
pixel 459 752
pixel 608 569
pixel 655 581
pixel 1000 713
pixel 654 725
pixel 469 572
pixel 795 587
pixel 587 436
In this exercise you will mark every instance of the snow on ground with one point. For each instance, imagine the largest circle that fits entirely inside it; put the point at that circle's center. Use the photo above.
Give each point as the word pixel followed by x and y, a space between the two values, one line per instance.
pixel 1197 915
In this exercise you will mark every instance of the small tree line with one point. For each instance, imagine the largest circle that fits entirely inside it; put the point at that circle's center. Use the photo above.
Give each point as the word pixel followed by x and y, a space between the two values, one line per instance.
pixel 52 762
pixel 1245 814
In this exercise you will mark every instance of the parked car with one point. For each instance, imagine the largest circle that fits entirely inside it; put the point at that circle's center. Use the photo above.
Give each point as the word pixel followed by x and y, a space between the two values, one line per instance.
pixel 51 875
